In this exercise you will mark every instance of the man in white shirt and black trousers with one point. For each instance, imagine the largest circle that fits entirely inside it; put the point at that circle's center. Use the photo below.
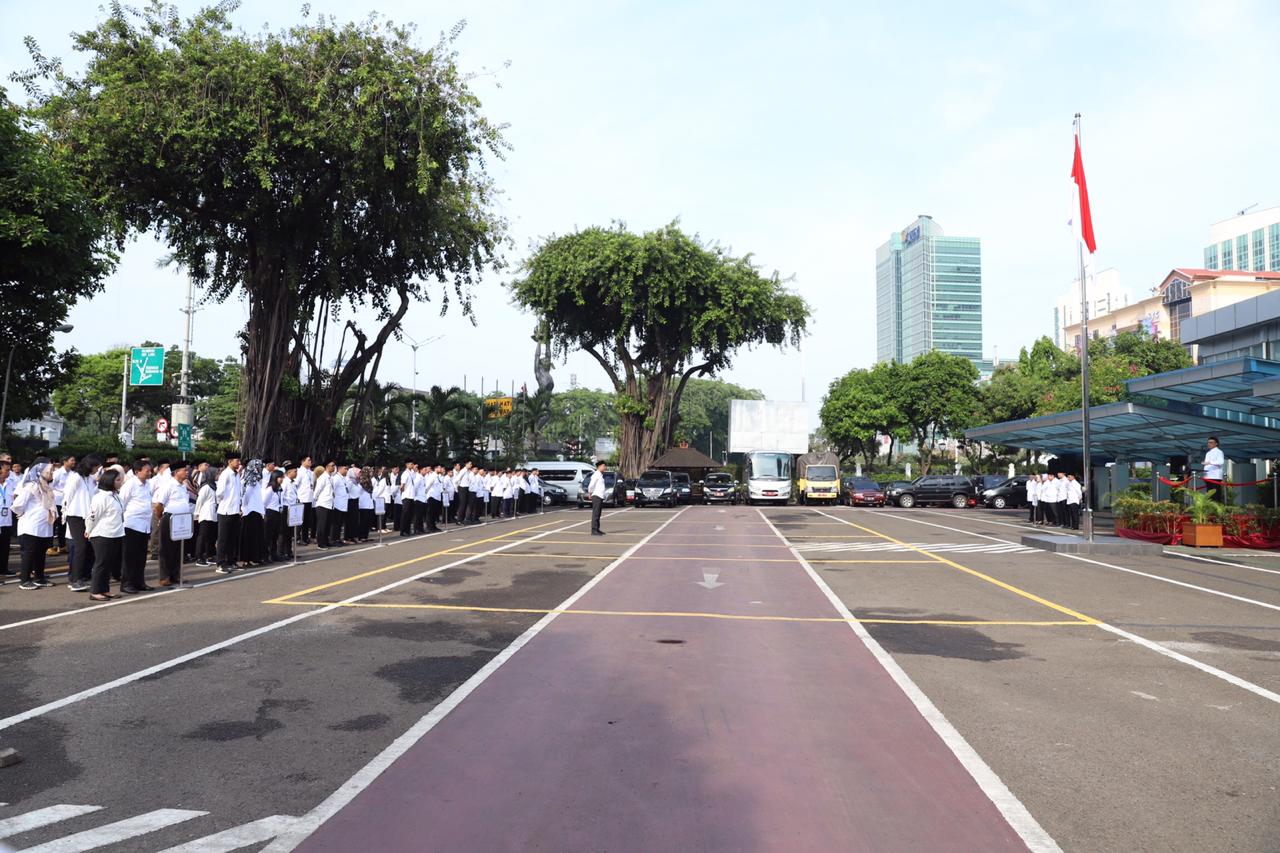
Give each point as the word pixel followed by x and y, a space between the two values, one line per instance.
pixel 1214 460
pixel 596 489
pixel 230 496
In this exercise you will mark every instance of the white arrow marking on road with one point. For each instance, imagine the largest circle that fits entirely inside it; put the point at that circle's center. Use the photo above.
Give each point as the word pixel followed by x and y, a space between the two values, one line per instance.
pixel 719 527
pixel 709 581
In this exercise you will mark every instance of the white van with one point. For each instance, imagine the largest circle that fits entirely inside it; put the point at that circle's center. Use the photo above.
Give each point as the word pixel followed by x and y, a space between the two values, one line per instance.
pixel 570 476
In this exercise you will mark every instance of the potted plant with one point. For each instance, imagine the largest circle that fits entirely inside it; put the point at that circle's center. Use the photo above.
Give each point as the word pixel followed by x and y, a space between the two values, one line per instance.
pixel 1203 528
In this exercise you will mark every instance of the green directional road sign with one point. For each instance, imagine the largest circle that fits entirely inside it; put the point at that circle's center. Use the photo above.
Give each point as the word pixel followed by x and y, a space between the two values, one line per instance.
pixel 186 443
pixel 146 366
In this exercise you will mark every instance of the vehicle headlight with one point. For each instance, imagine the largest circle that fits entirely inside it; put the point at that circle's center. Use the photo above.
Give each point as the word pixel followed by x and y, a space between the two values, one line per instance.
pixel 988 493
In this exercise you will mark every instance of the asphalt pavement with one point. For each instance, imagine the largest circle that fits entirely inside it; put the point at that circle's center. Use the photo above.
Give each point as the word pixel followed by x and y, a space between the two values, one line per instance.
pixel 713 678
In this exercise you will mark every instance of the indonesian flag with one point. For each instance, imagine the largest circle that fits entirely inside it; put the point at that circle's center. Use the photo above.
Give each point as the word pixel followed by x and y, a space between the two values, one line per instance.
pixel 1082 190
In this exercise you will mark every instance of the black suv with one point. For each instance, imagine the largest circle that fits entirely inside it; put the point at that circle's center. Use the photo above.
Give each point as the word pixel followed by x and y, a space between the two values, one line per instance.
pixel 1010 493
pixel 719 487
pixel 684 488
pixel 656 487
pixel 948 489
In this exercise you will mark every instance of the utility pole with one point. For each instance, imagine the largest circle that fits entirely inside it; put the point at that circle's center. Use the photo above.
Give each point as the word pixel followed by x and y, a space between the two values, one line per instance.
pixel 185 393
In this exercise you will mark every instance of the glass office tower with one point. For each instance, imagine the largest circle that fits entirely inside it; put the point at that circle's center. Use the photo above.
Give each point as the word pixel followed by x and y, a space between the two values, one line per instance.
pixel 928 294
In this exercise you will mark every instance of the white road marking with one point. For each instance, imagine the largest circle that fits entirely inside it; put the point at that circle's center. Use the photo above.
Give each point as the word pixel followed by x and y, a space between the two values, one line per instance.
pixel 114 833
pixel 265 629
pixel 1014 812
pixel 371 771
pixel 41 817
pixel 1255 689
pixel 932 547
pixel 1146 696
pixel 238 837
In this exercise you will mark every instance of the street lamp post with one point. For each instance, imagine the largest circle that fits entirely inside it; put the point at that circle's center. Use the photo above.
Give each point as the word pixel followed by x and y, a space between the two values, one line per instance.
pixel 413 402
pixel 8 368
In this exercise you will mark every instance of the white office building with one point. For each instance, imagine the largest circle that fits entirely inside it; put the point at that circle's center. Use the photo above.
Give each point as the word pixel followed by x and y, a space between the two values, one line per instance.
pixel 1246 242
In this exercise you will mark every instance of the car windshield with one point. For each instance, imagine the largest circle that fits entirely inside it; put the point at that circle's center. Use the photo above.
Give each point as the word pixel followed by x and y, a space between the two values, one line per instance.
pixel 655 478
pixel 821 472
pixel 719 480
pixel 863 483
pixel 681 479
pixel 562 475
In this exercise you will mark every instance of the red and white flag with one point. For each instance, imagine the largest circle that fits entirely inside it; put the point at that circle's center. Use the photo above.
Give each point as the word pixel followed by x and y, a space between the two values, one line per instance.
pixel 1082 191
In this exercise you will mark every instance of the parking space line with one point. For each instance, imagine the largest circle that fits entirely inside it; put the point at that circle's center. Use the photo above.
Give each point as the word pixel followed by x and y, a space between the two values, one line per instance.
pixel 1030 596
pixel 654 558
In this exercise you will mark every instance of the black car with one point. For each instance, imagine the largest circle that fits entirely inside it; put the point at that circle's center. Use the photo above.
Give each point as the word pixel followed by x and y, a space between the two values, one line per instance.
pixel 861 491
pixel 719 488
pixel 656 488
pixel 1011 492
pixel 684 488
pixel 615 492
pixel 553 495
pixel 988 481
pixel 946 489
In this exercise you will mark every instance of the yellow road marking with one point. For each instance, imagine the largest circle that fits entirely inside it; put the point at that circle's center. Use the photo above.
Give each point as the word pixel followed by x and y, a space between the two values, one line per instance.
pixel 1030 596
pixel 284 599
pixel 684 615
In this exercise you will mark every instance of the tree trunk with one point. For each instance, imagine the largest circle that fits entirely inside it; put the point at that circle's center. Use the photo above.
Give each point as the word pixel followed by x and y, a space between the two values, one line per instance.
pixel 269 331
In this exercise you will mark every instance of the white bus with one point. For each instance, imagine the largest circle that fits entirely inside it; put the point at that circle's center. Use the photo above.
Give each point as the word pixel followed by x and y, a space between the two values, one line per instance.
pixel 768 476
pixel 570 476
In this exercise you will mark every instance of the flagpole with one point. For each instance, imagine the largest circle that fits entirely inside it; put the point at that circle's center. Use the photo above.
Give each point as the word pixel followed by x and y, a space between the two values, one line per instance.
pixel 1086 518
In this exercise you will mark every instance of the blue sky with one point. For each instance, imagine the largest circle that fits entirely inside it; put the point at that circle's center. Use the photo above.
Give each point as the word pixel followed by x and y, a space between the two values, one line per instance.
pixel 805 133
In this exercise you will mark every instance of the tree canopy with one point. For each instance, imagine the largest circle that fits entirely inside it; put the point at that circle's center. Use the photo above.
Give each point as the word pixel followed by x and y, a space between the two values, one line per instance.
pixel 311 170
pixel 53 252
pixel 654 309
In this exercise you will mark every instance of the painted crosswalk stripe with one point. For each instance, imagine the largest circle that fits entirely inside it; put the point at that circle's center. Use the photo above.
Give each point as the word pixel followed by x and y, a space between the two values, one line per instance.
pixel 114 833
pixel 931 547
pixel 238 837
pixel 42 817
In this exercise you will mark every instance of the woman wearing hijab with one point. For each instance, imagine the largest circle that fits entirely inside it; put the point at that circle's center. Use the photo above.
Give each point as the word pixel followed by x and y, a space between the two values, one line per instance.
pixel 34 507
pixel 77 494
pixel 207 516
pixel 104 529
pixel 364 504
pixel 251 535
pixel 354 491
pixel 271 502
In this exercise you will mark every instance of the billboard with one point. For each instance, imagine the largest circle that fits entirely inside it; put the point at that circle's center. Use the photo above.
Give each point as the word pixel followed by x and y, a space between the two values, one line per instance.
pixel 768 425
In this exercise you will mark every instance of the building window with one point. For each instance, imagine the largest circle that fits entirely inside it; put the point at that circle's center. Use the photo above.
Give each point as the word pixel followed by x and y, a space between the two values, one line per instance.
pixel 1242 251
pixel 1259 260
pixel 1275 247
pixel 1228 262
pixel 1211 257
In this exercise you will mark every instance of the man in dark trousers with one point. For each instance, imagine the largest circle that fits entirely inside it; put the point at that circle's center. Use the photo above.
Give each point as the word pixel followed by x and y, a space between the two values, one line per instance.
pixel 596 489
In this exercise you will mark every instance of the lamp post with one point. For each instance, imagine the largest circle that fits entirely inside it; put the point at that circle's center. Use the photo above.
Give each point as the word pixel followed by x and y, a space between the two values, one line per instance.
pixel 413 345
pixel 8 368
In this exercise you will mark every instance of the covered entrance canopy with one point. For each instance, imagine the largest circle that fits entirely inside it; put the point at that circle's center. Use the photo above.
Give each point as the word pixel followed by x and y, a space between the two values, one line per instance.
pixel 1171 414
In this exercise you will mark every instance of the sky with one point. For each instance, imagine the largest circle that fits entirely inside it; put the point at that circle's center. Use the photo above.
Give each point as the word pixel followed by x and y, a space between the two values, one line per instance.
pixel 803 134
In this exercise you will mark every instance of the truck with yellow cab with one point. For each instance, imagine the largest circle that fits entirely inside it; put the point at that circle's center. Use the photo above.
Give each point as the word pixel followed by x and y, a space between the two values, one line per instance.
pixel 818 478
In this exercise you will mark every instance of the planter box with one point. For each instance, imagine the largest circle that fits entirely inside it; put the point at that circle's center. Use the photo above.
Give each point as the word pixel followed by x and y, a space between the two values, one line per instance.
pixel 1202 535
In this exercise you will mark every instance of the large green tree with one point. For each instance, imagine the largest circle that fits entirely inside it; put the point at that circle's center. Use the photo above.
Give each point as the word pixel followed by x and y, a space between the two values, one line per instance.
pixel 53 252
pixel 653 310
pixel 308 171
pixel 938 398
pixel 863 405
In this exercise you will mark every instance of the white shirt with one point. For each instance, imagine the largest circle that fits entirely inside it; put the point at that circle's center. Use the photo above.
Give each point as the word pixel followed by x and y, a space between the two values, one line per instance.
pixel 364 497
pixel 448 487
pixel 1033 491
pixel 6 501
pixel 340 485
pixel 253 499
pixel 435 486
pixel 59 484
pixel 1213 462
pixel 1074 492
pixel 393 487
pixel 106 516
pixel 136 497
pixel 306 485
pixel 324 490
pixel 77 495
pixel 230 492
pixel 421 486
pixel 270 498
pixel 173 496
pixel 408 485
pixel 289 492
pixel 207 504
pixel 33 518
pixel 535 484
pixel 597 488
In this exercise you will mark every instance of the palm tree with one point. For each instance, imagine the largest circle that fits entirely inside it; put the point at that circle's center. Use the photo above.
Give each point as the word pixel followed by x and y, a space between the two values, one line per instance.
pixel 440 411
pixel 387 409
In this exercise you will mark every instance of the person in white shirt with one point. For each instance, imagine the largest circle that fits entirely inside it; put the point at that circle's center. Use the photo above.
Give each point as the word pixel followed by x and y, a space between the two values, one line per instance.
pixel 447 489
pixel 393 496
pixel 206 516
pixel 33 504
pixel 1214 460
pixel 104 529
pixel 230 500
pixel 462 476
pixel 435 498
pixel 6 515
pixel 306 484
pixel 65 467
pixel 272 504
pixel 1046 499
pixel 254 515
pixel 171 501
pixel 420 488
pixel 364 504
pixel 1033 497
pixel 408 498
pixel 343 494
pixel 596 489
pixel 77 495
pixel 1074 495
pixel 137 500
pixel 324 504
pixel 535 488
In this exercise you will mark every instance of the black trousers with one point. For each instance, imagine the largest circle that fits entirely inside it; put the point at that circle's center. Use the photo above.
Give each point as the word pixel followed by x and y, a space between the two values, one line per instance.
pixel 1073 515
pixel 323 523
pixel 420 517
pixel 252 538
pixel 284 537
pixel 272 534
pixel 408 509
pixel 367 522
pixel 464 505
pixel 433 514
pixel 206 541
pixel 80 560
pixel 60 529
pixel 1050 511
pixel 34 554
pixel 1032 510
pixel 308 528
pixel 170 551
pixel 597 507
pixel 135 559
pixel 228 540
pixel 395 515
pixel 106 556
pixel 353 519
pixel 6 538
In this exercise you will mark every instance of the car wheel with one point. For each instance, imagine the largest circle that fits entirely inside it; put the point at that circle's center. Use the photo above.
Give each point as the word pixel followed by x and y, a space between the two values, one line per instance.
pixel 959 501
pixel 906 501
pixel 999 502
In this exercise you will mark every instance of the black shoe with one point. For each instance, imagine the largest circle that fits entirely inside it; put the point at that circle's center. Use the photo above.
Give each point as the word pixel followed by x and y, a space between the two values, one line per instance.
pixel 129 590
pixel 597 533
pixel 225 570
pixel 28 585
pixel 78 586
pixel 44 583
pixel 145 588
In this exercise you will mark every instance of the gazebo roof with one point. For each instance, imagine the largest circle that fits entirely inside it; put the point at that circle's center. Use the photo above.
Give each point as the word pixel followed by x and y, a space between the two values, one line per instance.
pixel 684 458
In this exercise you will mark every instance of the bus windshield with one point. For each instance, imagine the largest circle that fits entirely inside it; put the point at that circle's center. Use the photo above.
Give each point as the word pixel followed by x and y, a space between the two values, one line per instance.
pixel 769 466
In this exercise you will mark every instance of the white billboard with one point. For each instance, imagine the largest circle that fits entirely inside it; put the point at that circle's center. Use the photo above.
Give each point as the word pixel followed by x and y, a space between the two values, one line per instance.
pixel 768 425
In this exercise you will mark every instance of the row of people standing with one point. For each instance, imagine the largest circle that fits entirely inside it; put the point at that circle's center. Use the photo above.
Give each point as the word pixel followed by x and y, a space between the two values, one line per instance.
pixel 1054 499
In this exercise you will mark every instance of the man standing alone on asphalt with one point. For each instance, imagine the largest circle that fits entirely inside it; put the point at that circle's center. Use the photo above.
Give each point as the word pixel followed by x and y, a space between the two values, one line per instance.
pixel 596 490
pixel 1213 462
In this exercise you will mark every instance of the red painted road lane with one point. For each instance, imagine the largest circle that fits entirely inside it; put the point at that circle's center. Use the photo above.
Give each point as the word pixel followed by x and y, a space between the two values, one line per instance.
pixel 744 735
